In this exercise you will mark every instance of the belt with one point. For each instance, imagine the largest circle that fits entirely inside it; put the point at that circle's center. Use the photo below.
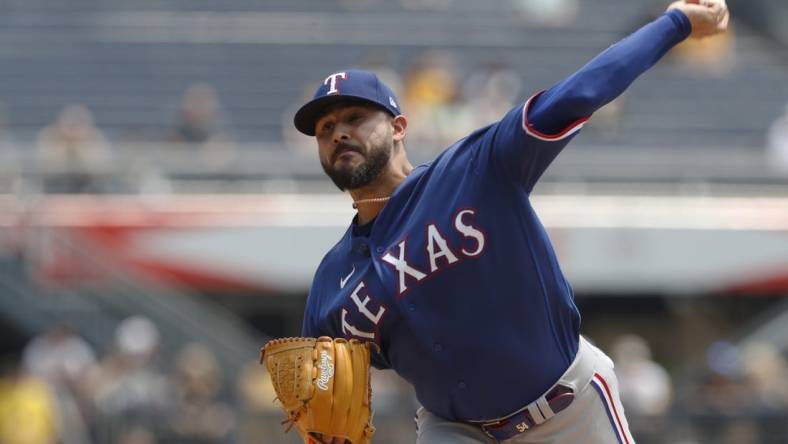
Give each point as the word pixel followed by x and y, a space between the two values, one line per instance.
pixel 574 380
pixel 535 413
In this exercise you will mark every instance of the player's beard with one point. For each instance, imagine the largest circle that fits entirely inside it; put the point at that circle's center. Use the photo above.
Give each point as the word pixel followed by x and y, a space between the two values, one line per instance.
pixel 349 177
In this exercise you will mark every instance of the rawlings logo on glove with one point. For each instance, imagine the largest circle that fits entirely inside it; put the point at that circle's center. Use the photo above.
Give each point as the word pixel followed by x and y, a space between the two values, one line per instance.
pixel 326 371
pixel 323 385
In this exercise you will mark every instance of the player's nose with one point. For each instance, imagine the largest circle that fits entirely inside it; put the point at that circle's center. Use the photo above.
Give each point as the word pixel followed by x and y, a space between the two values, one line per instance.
pixel 341 134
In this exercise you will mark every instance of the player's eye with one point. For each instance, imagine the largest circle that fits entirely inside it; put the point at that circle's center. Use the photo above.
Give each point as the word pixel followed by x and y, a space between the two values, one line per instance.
pixel 328 126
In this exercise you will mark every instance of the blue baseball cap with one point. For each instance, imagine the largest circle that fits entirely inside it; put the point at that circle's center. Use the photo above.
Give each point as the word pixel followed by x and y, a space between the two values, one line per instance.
pixel 352 85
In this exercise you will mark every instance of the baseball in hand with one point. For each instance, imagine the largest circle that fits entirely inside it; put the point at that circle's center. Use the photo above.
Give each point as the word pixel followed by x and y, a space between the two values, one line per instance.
pixel 708 17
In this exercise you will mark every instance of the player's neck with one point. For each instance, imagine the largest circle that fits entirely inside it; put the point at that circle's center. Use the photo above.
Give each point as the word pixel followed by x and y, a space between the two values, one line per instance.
pixel 370 199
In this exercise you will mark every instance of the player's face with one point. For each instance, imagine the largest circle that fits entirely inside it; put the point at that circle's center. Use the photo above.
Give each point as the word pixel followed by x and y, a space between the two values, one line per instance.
pixel 355 144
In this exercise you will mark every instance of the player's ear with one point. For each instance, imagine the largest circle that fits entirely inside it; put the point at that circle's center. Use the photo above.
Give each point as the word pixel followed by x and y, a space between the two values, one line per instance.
pixel 399 126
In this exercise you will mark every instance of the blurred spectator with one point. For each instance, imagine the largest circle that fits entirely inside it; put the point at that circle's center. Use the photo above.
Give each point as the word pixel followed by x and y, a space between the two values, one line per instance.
pixel 127 384
pixel 745 380
pixel 255 389
pixel 765 374
pixel 257 399
pixel 720 389
pixel 199 417
pixel 431 81
pixel 743 391
pixel 62 358
pixel 433 102
pixel 199 119
pixel 28 410
pixel 58 355
pixel 645 386
pixel 200 122
pixel 777 143
pixel 73 153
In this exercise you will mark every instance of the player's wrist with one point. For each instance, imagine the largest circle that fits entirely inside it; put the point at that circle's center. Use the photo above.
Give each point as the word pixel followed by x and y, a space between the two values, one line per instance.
pixel 706 17
pixel 681 21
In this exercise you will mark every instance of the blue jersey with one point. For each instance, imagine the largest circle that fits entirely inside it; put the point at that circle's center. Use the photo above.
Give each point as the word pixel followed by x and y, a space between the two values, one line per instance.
pixel 457 281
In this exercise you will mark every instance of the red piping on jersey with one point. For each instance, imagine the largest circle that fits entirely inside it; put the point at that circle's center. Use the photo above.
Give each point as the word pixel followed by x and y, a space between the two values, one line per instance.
pixel 529 128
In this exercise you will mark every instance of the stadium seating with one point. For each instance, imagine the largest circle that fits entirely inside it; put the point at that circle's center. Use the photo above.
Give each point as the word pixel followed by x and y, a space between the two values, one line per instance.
pixel 130 62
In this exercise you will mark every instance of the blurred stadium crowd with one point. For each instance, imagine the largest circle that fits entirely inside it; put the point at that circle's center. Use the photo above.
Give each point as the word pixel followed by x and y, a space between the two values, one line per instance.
pixel 62 390
pixel 159 97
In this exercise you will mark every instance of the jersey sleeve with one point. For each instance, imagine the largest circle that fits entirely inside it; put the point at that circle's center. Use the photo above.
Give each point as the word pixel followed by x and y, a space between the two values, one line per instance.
pixel 522 152
pixel 528 138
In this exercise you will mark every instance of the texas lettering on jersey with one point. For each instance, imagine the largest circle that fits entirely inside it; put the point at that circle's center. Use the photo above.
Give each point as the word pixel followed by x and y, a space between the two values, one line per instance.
pixel 439 254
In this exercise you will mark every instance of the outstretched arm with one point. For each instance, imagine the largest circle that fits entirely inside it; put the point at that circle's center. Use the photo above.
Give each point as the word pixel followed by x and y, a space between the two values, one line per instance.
pixel 606 76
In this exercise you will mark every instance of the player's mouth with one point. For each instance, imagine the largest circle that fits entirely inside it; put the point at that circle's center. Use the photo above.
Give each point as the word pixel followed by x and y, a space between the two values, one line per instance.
pixel 345 152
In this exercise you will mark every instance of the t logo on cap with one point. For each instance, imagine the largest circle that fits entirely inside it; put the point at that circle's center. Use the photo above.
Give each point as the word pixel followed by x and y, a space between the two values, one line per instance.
pixel 331 81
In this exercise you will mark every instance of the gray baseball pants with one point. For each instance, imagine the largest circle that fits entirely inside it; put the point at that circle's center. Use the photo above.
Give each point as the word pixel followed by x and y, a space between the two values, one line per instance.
pixel 594 417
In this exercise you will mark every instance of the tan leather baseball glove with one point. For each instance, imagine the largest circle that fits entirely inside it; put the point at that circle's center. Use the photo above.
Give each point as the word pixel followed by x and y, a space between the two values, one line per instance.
pixel 323 385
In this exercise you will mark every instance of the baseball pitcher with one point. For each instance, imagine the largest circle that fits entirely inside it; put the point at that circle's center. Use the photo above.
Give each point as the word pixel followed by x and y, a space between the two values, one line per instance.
pixel 446 274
